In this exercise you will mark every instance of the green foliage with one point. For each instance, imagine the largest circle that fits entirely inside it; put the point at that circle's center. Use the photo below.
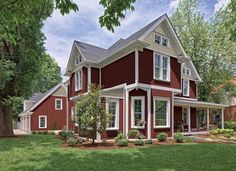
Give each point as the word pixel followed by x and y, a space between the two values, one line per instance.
pixel 120 136
pixel 71 141
pixel 162 137
pixel 229 125
pixel 139 142
pixel 149 141
pixel 178 137
pixel 222 131
pixel 34 132
pixel 91 113
pixel 122 142
pixel 133 134
pixel 114 11
pixel 188 140
pixel 66 134
pixel 45 132
pixel 208 44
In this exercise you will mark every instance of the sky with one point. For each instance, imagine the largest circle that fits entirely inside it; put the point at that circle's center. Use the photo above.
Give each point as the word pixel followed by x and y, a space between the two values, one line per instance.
pixel 83 25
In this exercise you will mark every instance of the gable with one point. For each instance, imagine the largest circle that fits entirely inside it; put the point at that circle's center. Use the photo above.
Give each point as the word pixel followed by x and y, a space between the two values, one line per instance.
pixel 60 92
pixel 162 31
pixel 188 65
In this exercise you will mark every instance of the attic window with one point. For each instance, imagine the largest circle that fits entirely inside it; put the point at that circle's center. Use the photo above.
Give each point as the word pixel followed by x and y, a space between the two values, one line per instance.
pixel 78 60
pixel 186 71
pixel 161 40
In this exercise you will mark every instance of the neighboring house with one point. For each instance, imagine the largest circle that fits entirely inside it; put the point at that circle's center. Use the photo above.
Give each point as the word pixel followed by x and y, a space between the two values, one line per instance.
pixel 46 111
pixel 148 82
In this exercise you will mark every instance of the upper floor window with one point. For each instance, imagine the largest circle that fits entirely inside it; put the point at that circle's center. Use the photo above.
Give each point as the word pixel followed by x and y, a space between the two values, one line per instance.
pixel 161 67
pixel 113 109
pixel 186 71
pixel 161 112
pixel 78 60
pixel 137 112
pixel 185 87
pixel 161 40
pixel 58 104
pixel 78 80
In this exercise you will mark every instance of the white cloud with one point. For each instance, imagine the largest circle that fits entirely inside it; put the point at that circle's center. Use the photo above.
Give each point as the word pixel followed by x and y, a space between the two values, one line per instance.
pixel 174 4
pixel 220 4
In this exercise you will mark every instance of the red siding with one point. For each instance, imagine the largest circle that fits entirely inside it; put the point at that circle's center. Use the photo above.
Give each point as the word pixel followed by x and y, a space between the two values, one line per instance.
pixel 56 119
pixel 113 133
pixel 94 75
pixel 155 131
pixel 119 72
pixel 146 71
pixel 230 113
pixel 192 91
pixel 84 82
pixel 193 112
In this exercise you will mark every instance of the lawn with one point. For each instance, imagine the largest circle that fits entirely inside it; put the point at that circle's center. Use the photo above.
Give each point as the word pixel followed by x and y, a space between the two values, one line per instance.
pixel 44 153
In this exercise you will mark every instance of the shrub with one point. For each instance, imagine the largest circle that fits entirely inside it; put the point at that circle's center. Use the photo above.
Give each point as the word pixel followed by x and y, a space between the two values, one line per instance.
pixel 214 131
pixel 45 132
pixel 66 134
pixel 162 137
pixel 188 139
pixel 141 136
pixel 34 132
pixel 222 131
pixel 149 141
pixel 139 142
pixel 122 142
pixel 178 137
pixel 227 135
pixel 71 141
pixel 228 125
pixel 120 136
pixel 133 134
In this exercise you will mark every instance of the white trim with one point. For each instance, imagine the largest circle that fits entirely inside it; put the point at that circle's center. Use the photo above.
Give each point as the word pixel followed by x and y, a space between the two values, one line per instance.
pixel 89 77
pixel 208 119
pixel 116 114
pixel 127 112
pixel 189 118
pixel 167 114
pixel 43 116
pixel 121 86
pixel 136 65
pixel 161 39
pixel 184 98
pixel 149 114
pixel 172 115
pixel 222 119
pixel 60 104
pixel 142 98
pixel 81 85
pixel 188 87
pixel 113 97
pixel 161 66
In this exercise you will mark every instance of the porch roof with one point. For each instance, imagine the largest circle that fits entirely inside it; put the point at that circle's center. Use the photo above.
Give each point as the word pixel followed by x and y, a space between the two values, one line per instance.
pixel 178 101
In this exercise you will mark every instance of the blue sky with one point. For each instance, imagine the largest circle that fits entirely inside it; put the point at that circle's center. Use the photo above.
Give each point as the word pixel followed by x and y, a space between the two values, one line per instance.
pixel 83 25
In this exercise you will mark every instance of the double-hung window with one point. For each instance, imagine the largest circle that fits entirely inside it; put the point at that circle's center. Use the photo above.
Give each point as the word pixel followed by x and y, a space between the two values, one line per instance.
pixel 137 112
pixel 58 104
pixel 161 40
pixel 113 110
pixel 161 67
pixel 42 121
pixel 161 112
pixel 185 87
pixel 78 80
pixel 185 115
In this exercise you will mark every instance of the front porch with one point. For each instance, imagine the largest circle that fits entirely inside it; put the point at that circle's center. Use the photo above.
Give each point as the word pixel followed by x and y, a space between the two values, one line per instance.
pixel 196 117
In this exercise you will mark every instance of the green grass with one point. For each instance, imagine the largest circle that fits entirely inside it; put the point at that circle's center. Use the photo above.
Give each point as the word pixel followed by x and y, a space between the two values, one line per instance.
pixel 44 153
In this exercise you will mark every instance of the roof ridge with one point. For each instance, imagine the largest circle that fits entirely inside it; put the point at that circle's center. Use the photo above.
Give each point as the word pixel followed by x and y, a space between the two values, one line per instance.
pixel 89 44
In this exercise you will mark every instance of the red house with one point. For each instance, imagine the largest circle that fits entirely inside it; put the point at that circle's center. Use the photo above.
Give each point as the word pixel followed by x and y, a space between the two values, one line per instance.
pixel 46 111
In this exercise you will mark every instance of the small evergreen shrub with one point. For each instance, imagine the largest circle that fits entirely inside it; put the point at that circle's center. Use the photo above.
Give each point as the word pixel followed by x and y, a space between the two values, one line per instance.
pixel 162 137
pixel 188 140
pixel 122 142
pixel 133 134
pixel 120 136
pixel 228 125
pixel 71 141
pixel 139 142
pixel 149 141
pixel 178 137
pixel 66 134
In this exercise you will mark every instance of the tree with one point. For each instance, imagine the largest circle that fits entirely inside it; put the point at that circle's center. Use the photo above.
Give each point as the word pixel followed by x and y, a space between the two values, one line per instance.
pixel 91 112
pixel 207 43
pixel 22 51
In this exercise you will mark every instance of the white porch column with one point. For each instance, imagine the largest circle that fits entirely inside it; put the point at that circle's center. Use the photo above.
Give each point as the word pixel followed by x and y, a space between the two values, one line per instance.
pixel 136 65
pixel 189 119
pixel 208 119
pixel 149 114
pixel 126 112
pixel 222 118
pixel 29 122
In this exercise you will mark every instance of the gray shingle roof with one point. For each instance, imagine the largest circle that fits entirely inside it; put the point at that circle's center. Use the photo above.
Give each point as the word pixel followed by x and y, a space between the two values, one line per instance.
pixel 95 53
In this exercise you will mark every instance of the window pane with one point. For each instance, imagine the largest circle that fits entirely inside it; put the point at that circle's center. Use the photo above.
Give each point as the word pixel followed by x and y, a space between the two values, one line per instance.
pixel 185 87
pixel 42 122
pixel 157 39
pixel 112 111
pixel 137 111
pixel 58 104
pixel 157 66
pixel 164 74
pixel 164 41
pixel 160 113
pixel 165 67
pixel 185 116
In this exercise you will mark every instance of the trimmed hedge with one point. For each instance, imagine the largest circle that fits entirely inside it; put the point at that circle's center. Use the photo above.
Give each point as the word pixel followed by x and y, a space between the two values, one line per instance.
pixel 120 136
pixel 162 137
pixel 139 142
pixel 149 141
pixel 66 134
pixel 71 141
pixel 178 137
pixel 133 134
pixel 122 142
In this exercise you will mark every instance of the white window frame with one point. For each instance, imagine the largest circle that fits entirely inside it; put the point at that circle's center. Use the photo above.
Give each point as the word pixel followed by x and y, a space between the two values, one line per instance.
pixel 116 127
pixel 42 116
pixel 188 84
pixel 161 41
pixel 56 104
pixel 168 111
pixel 161 67
pixel 142 98
pixel 185 70
pixel 81 84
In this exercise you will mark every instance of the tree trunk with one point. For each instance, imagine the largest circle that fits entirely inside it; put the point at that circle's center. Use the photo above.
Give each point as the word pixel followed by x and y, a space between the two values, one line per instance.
pixel 6 127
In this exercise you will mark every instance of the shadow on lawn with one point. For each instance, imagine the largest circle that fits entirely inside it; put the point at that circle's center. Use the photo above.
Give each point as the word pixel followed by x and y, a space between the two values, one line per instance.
pixel 160 157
